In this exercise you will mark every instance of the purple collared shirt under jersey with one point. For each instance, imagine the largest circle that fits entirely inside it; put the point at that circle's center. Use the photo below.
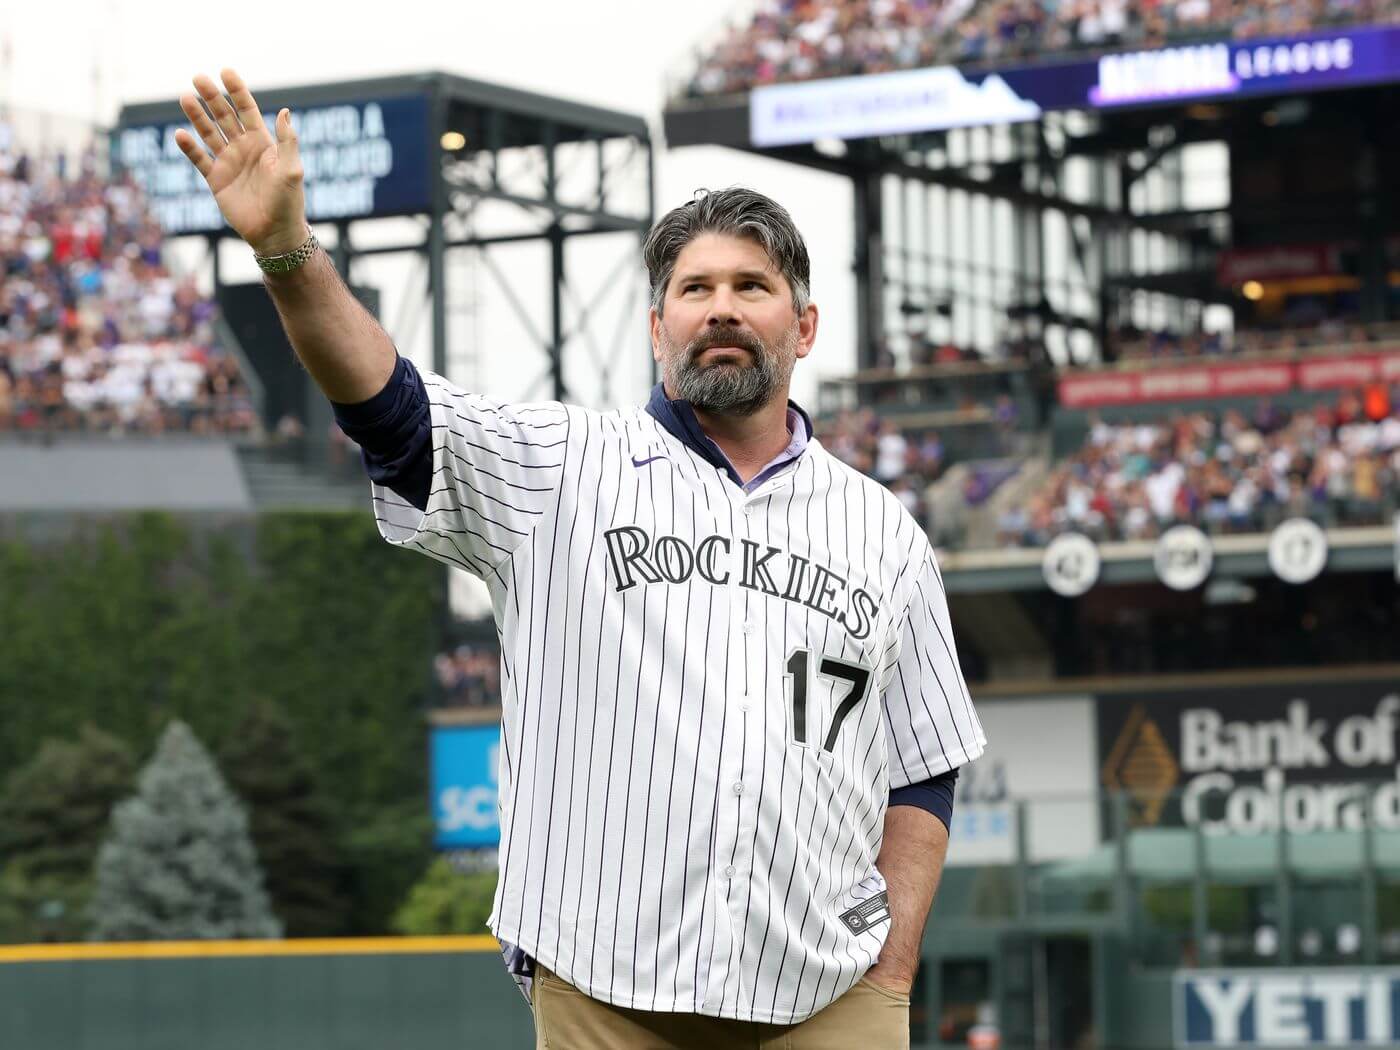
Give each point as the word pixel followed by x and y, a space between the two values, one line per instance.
pixel 797 434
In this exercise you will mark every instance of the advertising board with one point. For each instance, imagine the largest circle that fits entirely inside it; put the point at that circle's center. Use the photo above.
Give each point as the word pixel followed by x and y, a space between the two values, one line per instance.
pixel 1278 1008
pixel 1249 759
pixel 1203 380
pixel 941 97
pixel 463 780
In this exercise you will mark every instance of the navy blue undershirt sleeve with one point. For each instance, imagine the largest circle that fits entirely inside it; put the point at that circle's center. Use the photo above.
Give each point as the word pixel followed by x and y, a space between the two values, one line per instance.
pixel 395 433
pixel 934 795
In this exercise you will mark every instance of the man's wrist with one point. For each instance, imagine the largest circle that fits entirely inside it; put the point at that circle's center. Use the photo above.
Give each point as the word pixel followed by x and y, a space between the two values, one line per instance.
pixel 286 262
pixel 896 978
pixel 280 243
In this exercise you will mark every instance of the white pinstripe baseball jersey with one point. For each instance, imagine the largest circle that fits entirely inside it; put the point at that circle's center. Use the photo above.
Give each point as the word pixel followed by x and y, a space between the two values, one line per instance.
pixel 707 697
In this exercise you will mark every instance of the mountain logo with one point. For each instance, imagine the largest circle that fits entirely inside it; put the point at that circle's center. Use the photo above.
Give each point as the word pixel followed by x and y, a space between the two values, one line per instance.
pixel 1142 764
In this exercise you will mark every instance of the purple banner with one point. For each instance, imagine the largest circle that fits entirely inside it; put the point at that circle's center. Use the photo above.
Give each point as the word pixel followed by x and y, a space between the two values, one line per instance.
pixel 938 97
pixel 1339 58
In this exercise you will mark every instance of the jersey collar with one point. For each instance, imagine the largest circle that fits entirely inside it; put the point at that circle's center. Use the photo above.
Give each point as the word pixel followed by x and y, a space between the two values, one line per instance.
pixel 679 418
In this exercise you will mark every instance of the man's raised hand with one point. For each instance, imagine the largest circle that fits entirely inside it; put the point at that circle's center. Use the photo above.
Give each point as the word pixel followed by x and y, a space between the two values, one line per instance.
pixel 256 179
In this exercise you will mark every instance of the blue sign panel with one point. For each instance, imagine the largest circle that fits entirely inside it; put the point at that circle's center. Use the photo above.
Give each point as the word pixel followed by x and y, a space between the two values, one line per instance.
pixel 464 764
pixel 1278 1008
pixel 1225 69
pixel 362 159
pixel 943 97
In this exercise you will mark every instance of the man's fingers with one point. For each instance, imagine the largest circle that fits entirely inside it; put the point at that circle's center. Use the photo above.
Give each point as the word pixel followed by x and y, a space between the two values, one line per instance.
pixel 208 130
pixel 287 148
pixel 190 148
pixel 219 108
pixel 243 103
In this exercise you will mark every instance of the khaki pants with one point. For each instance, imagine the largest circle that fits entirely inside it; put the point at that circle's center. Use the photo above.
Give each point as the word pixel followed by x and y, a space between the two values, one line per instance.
pixel 867 1017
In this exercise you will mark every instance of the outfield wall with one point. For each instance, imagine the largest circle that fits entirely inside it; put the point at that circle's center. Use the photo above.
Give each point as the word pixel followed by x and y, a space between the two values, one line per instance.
pixel 405 993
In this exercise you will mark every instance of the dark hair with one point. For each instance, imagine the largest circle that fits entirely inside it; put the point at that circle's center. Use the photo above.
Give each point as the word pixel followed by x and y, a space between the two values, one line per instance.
pixel 736 211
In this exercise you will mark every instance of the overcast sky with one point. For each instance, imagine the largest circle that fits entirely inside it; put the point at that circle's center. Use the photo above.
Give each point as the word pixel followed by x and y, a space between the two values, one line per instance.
pixel 87 58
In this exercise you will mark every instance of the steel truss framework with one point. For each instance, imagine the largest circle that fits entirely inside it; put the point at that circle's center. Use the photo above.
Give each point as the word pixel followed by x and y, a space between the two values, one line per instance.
pixel 1061 229
pixel 508 168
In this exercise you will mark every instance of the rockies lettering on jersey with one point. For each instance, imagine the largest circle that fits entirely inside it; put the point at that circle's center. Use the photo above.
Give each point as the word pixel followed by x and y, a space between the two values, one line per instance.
pixel 707 695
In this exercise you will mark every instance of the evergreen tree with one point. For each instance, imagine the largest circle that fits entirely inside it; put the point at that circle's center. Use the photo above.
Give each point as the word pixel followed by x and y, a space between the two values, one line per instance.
pixel 292 823
pixel 53 813
pixel 177 862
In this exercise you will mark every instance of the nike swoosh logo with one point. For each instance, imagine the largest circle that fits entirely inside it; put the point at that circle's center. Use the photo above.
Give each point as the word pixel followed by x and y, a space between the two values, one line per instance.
pixel 643 462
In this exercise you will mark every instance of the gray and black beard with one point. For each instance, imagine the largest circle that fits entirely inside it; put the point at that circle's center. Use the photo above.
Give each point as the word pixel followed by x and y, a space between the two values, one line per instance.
pixel 724 388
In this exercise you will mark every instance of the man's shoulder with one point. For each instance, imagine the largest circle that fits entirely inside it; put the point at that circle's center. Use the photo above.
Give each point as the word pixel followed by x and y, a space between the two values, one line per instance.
pixel 445 391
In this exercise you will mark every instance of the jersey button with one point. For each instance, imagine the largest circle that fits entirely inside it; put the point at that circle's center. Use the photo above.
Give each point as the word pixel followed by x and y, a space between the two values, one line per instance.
pixel 748 627
pixel 738 788
pixel 729 872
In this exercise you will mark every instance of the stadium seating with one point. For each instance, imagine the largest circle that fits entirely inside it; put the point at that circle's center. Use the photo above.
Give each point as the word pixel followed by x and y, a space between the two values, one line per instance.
pixel 96 334
pixel 1336 462
pixel 790 40
pixel 1134 345
pixel 910 460
pixel 1242 468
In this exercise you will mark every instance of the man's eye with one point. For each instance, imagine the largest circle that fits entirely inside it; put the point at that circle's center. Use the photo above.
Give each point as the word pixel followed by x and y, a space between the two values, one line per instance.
pixel 690 288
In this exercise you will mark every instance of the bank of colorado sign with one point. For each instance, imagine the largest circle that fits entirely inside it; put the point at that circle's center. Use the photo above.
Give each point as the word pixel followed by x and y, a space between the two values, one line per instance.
pixel 1287 1008
pixel 1253 760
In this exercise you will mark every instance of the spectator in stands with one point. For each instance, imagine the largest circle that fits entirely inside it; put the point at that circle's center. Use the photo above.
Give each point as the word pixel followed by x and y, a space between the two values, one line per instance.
pixel 470 675
pixel 96 334
pixel 792 40
pixel 891 453
pixel 1233 473
pixel 907 462
pixel 1131 344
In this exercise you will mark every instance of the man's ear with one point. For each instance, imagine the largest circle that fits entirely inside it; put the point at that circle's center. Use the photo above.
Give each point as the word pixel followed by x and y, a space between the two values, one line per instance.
pixel 806 330
pixel 654 322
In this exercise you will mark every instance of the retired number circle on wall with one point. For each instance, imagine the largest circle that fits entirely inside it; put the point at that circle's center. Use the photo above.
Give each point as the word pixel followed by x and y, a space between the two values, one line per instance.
pixel 1297 550
pixel 1071 564
pixel 1183 557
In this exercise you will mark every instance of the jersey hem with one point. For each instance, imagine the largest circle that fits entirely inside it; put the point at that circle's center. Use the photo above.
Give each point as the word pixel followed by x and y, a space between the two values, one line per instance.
pixel 645 1002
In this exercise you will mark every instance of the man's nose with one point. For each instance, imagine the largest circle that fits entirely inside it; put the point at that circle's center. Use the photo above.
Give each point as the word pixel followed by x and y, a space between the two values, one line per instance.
pixel 724 309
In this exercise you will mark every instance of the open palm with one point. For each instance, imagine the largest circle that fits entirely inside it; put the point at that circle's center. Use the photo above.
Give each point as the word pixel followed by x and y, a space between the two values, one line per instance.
pixel 256 179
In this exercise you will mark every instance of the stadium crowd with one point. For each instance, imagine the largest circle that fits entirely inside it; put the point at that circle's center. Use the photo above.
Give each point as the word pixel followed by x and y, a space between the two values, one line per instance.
pixel 1129 344
pixel 791 40
pixel 1338 463
pixel 906 463
pixel 96 334
pixel 469 675
pixel 909 462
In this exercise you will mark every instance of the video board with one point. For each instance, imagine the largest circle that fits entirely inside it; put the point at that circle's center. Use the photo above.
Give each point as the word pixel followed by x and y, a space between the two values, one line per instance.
pixel 363 159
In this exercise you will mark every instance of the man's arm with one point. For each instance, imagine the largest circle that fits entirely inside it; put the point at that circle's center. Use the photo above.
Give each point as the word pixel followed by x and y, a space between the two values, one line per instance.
pixel 931 725
pixel 256 181
pixel 911 860
pixel 338 341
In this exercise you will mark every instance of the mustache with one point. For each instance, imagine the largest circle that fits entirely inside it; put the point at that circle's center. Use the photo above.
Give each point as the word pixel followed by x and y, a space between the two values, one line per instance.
pixel 725 337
